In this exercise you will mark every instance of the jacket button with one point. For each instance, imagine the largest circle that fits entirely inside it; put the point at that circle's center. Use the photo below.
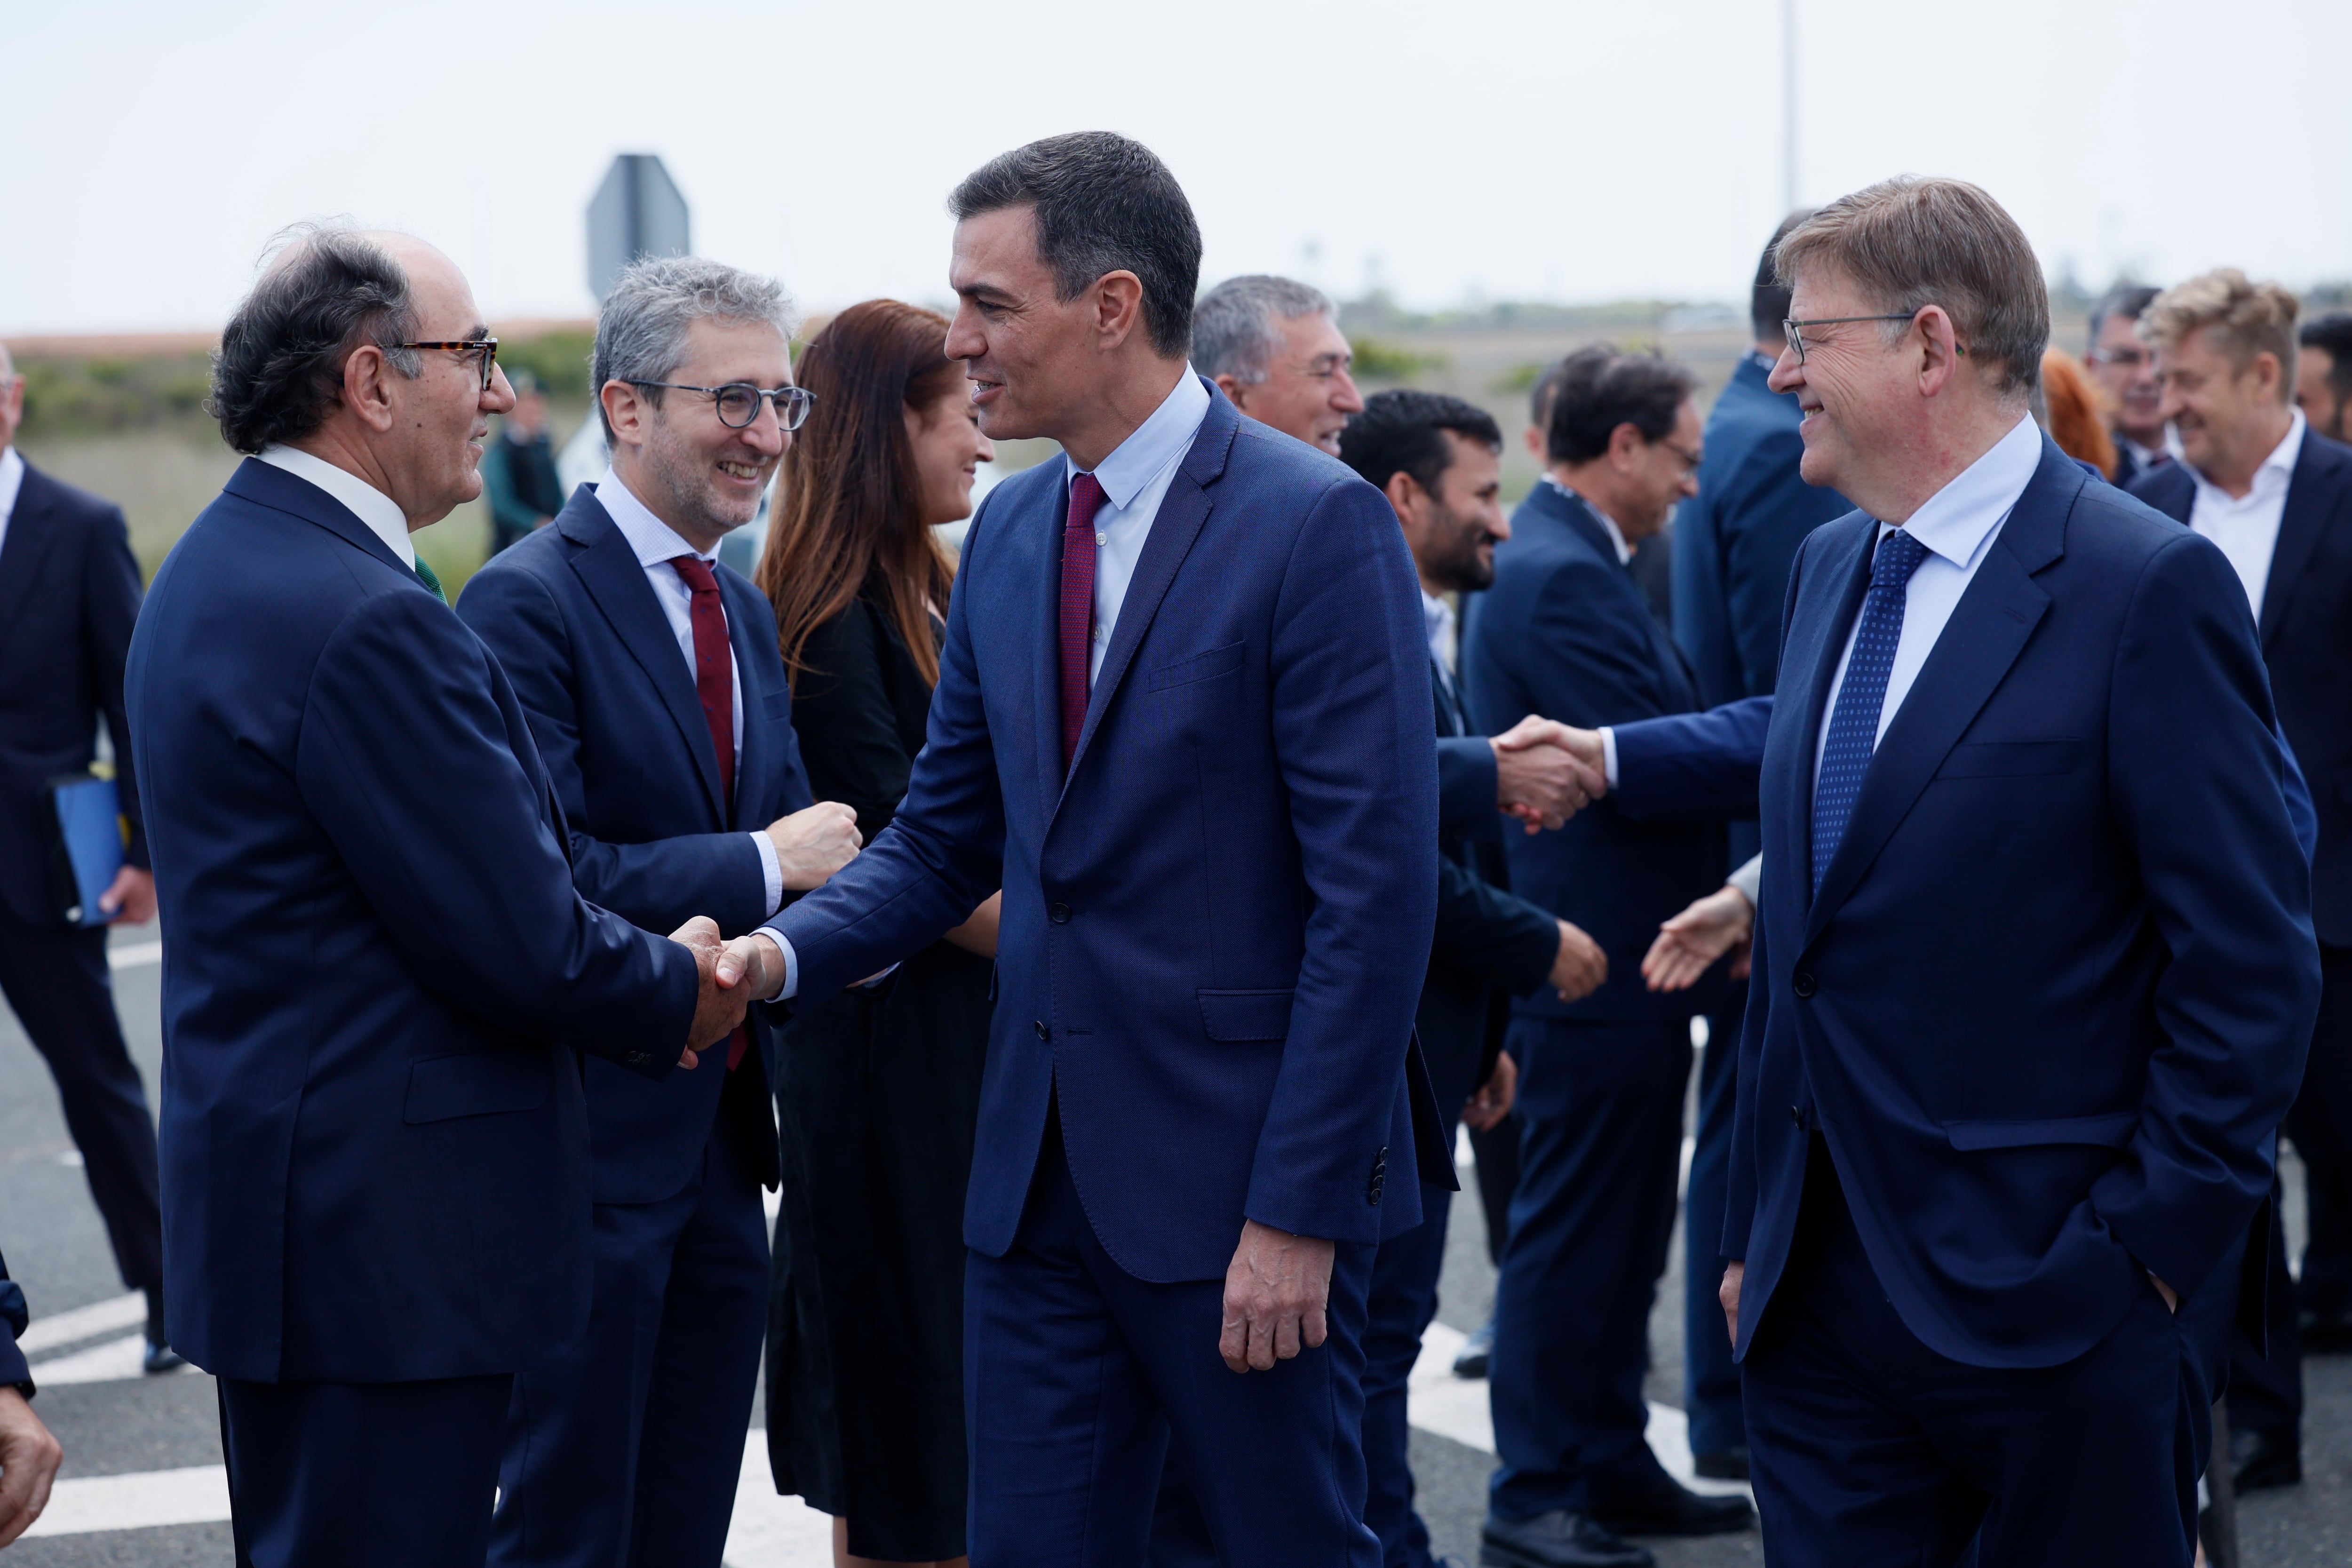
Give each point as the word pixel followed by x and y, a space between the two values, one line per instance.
pixel 1797 1115
pixel 1058 913
pixel 1802 982
pixel 1043 1033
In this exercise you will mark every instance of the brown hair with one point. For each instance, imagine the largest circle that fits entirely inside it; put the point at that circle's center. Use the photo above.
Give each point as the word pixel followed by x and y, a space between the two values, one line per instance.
pixel 2244 319
pixel 1910 242
pixel 2078 421
pixel 850 508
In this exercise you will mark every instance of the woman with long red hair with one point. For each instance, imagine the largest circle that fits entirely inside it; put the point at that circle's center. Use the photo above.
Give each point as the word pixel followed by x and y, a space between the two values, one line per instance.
pixel 880 1087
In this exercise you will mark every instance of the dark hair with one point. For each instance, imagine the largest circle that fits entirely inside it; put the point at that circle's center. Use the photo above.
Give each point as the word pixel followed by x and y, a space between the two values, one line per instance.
pixel 1540 394
pixel 1398 432
pixel 1104 203
pixel 849 514
pixel 1601 389
pixel 2129 300
pixel 280 364
pixel 2332 333
pixel 1768 302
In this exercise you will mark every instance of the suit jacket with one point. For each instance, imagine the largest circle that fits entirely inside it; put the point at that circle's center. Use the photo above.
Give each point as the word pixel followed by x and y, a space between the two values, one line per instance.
pixel 2054 995
pixel 611 705
pixel 1566 633
pixel 374 1144
pixel 13 1319
pixel 2306 626
pixel 1215 927
pixel 1488 945
pixel 68 596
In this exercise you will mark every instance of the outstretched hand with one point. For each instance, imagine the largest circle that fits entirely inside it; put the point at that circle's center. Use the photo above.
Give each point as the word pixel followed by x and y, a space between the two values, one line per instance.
pixel 755 963
pixel 1545 773
pixel 1723 921
pixel 719 1003
pixel 1276 1291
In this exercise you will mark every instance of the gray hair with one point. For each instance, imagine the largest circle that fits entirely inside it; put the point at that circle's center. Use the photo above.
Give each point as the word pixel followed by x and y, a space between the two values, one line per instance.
pixel 325 289
pixel 641 333
pixel 1233 326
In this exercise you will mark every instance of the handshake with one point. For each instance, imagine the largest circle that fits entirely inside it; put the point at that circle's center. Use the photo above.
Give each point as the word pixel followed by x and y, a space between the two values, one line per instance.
pixel 1545 771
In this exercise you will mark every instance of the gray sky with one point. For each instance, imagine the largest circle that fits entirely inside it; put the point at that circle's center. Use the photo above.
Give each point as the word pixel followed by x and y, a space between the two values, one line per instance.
pixel 1453 149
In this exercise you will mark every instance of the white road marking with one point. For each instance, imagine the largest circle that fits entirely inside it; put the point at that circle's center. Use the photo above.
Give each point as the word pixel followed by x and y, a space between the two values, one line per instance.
pixel 195 1496
pixel 772 1532
pixel 50 1330
pixel 134 954
pixel 116 1360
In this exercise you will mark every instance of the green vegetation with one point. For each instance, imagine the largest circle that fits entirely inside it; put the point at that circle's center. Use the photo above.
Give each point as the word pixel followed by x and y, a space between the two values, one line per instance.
pixel 559 359
pixel 1379 361
pixel 65 397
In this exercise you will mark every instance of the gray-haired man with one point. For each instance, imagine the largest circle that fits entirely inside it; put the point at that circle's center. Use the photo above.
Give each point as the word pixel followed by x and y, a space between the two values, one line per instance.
pixel 1275 348
pixel 650 679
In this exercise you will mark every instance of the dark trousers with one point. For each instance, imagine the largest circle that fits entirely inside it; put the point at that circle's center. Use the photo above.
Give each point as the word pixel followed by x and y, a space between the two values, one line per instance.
pixel 626 1447
pixel 2321 1126
pixel 2266 1380
pixel 1078 1377
pixel 363 1475
pixel 1403 1300
pixel 1870 1451
pixel 58 982
pixel 1710 1377
pixel 1602 1105
pixel 1496 1151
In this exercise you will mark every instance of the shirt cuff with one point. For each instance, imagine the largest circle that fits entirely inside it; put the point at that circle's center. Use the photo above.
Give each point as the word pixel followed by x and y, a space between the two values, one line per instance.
pixel 771 871
pixel 1749 880
pixel 1608 754
pixel 792 964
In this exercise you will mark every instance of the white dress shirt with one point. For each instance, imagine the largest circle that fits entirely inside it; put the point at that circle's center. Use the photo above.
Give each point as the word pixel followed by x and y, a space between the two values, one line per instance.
pixel 12 479
pixel 1609 524
pixel 1135 480
pixel 657 544
pixel 379 511
pixel 1958 525
pixel 2247 527
pixel 1437 623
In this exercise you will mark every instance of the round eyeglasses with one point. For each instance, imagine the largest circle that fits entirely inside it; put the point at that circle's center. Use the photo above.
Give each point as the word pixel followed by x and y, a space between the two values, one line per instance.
pixel 739 402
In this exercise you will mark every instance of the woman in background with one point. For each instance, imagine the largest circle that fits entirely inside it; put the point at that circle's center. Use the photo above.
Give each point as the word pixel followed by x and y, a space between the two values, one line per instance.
pixel 880 1087
pixel 2076 421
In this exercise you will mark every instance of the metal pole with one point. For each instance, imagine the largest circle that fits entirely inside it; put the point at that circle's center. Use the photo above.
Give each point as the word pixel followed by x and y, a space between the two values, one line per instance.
pixel 1787 105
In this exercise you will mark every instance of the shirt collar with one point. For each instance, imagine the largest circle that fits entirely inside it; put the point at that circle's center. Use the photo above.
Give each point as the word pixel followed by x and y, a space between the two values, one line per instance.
pixel 1158 441
pixel 12 481
pixel 1436 615
pixel 2274 472
pixel 653 539
pixel 1956 521
pixel 378 511
pixel 1608 524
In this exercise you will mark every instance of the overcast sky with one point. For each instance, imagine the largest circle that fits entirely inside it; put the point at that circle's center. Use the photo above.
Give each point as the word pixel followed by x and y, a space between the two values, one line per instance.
pixel 1451 150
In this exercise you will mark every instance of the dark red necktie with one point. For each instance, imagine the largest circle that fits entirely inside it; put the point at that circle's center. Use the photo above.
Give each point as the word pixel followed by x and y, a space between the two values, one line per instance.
pixel 714 684
pixel 1087 497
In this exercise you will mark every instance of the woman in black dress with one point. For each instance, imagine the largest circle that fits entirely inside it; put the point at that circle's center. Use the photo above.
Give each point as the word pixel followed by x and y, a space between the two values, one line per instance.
pixel 880 1086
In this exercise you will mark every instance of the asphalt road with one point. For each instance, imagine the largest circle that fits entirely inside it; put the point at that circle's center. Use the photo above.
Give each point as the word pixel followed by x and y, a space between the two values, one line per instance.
pixel 142 1450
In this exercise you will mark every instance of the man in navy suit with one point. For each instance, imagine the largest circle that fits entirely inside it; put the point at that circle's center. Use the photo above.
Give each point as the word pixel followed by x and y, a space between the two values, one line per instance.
pixel 2120 360
pixel 1733 544
pixel 375 1147
pixel 2033 969
pixel 2276 497
pixel 1566 632
pixel 651 676
pixel 69 595
pixel 1183 719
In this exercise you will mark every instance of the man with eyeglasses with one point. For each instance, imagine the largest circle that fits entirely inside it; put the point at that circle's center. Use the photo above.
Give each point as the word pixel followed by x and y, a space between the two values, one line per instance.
pixel 2124 365
pixel 374 1153
pixel 653 684
pixel 1566 632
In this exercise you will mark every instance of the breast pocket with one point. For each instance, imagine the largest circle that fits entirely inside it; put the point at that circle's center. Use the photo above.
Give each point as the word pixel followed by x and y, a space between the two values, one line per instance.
pixel 1198 667
pixel 2009 759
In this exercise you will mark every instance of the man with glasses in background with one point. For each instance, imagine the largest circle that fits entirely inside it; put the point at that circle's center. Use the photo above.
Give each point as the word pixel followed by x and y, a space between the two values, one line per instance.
pixel 653 684
pixel 1273 346
pixel 2124 368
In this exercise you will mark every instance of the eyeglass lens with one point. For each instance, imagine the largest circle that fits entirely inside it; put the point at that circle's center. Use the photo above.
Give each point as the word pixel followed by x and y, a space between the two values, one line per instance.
pixel 739 404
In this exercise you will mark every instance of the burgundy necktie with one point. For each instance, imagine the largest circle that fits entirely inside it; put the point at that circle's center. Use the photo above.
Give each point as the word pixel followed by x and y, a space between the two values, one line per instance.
pixel 714 684
pixel 1077 608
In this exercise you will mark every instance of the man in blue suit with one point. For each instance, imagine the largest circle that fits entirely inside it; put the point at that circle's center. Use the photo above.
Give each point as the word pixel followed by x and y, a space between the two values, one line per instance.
pixel 374 1144
pixel 2276 497
pixel 1565 632
pixel 652 681
pixel 68 596
pixel 2034 969
pixel 1183 719
pixel 1733 544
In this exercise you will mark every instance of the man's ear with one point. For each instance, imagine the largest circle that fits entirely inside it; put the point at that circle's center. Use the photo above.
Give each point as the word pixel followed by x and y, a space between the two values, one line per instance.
pixel 1536 447
pixel 367 387
pixel 2265 370
pixel 625 411
pixel 1941 353
pixel 1118 306
pixel 1235 389
pixel 1626 444
pixel 1404 492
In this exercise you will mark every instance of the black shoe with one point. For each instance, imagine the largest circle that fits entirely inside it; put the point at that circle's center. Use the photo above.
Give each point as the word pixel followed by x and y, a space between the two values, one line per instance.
pixel 161 1357
pixel 1674 1509
pixel 1471 1360
pixel 1731 1465
pixel 2260 1459
pixel 1555 1540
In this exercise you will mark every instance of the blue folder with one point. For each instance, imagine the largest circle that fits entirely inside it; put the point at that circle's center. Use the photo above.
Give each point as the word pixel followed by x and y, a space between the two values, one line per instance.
pixel 86 820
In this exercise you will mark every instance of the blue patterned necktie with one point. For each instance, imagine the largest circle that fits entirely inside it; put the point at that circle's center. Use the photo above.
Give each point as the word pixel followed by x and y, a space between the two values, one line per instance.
pixel 1853 727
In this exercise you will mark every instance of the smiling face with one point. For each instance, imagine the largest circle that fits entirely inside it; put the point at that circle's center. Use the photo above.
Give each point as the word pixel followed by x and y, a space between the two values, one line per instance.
pixel 2228 416
pixel 1030 357
pixel 2125 368
pixel 949 448
pixel 1452 532
pixel 690 469
pixel 431 452
pixel 1308 392
pixel 1854 386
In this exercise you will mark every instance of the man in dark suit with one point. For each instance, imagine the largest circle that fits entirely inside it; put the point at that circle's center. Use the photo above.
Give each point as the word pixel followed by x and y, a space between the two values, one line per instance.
pixel 2124 368
pixel 30 1455
pixel 1183 720
pixel 2322 374
pixel 637 659
pixel 375 1151
pixel 1565 632
pixel 2276 497
pixel 68 596
pixel 2033 979
pixel 1733 544
pixel 1437 459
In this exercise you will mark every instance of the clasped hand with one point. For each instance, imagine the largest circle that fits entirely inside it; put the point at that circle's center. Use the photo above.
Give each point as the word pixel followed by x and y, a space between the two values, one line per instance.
pixel 1545 773
pixel 721 970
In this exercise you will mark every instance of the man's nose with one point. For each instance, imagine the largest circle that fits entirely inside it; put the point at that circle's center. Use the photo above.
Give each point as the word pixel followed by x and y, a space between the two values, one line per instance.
pixel 1345 398
pixel 1787 373
pixel 499 396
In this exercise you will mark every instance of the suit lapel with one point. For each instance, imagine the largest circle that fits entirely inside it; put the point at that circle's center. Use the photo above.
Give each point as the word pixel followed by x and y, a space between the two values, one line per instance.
pixel 1972 655
pixel 1041 531
pixel 2309 499
pixel 754 736
pixel 32 534
pixel 1674 677
pixel 609 570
